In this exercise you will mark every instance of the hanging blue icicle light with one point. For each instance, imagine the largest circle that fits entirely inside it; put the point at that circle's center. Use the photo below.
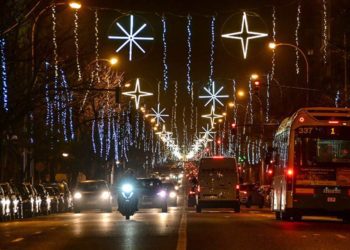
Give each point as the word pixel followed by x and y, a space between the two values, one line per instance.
pixel 189 53
pixel 165 65
pixel 4 74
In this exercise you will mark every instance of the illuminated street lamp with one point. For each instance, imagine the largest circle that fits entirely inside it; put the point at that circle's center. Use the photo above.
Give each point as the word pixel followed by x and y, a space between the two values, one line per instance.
pixel 113 60
pixel 240 93
pixel 275 45
pixel 65 155
pixel 231 104
pixel 75 5
pixel 254 76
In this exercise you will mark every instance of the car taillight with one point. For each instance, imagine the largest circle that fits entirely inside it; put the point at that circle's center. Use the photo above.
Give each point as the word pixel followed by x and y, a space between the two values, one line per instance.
pixel 305 191
pixel 192 192
pixel 199 189
pixel 237 187
pixel 290 172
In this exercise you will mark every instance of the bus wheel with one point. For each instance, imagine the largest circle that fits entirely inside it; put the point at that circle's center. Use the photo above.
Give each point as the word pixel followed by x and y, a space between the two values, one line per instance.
pixel 297 217
pixel 198 209
pixel 346 219
pixel 278 215
pixel 285 216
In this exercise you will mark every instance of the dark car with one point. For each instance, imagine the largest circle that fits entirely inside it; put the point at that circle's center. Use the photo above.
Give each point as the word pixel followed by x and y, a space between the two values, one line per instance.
pixel 171 191
pixel 54 199
pixel 67 195
pixel 36 197
pixel 92 194
pixel 249 195
pixel 152 194
pixel 15 200
pixel 4 205
pixel 45 199
pixel 28 202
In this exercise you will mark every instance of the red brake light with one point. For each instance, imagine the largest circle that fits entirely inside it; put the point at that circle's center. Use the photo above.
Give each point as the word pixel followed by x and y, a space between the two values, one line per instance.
pixel 290 172
pixel 301 119
pixel 270 172
pixel 333 122
pixel 218 157
pixel 237 187
pixel 233 125
pixel 199 189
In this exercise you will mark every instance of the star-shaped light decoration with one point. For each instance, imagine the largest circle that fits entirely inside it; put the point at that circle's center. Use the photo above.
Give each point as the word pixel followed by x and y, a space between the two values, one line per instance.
pixel 212 116
pixel 245 35
pixel 137 93
pixel 208 132
pixel 131 37
pixel 158 114
pixel 213 95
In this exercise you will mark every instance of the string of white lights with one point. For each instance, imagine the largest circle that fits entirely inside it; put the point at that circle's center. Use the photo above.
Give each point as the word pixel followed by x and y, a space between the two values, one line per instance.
pixel 212 47
pixel 189 53
pixel 76 42
pixel 192 106
pixel 235 108
pixel 250 103
pixel 165 65
pixel 273 67
pixel 297 69
pixel 267 98
pixel 4 86
pixel 100 126
pixel 55 55
pixel 337 99
pixel 97 54
pixel 93 136
pixel 324 31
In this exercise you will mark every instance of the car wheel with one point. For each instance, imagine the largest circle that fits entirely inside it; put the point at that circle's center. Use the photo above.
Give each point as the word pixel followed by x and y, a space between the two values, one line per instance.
pixel 165 209
pixel 237 208
pixel 278 215
pixel 297 217
pixel 285 216
pixel 198 209
pixel 76 211
pixel 127 217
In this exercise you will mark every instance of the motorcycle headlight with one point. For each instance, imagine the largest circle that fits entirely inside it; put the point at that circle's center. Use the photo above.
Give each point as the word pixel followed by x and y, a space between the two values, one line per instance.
pixel 77 195
pixel 161 194
pixel 105 195
pixel 127 188
pixel 172 194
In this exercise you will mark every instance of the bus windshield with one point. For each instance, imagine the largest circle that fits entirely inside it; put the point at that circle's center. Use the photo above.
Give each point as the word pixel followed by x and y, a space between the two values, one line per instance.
pixel 322 155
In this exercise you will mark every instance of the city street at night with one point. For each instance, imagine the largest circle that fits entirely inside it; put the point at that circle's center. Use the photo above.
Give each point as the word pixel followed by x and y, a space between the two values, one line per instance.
pixel 150 229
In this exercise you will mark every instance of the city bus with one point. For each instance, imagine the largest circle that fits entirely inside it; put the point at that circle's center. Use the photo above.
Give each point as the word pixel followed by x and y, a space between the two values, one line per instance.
pixel 311 161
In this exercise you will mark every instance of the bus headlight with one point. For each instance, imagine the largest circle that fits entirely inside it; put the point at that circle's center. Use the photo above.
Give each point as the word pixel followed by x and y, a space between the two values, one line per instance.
pixel 77 195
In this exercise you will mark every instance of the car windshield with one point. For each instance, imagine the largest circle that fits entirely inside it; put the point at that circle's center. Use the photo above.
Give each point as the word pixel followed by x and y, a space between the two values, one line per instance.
pixel 168 186
pixel 40 189
pixel 92 186
pixel 150 183
pixel 23 190
pixel 51 191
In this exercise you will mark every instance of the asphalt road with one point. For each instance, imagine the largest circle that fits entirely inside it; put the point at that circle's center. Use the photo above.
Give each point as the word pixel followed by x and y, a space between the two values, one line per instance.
pixel 178 229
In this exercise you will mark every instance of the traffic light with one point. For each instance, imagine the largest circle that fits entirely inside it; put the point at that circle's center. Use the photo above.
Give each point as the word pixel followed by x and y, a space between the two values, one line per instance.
pixel 256 86
pixel 233 128
pixel 117 94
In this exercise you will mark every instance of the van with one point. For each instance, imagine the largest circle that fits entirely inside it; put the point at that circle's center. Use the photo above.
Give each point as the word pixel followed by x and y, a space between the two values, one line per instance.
pixel 218 184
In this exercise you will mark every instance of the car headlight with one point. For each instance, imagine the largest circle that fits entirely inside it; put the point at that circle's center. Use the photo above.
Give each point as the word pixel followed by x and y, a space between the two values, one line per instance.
pixel 127 188
pixel 172 194
pixel 77 195
pixel 176 187
pixel 161 194
pixel 105 195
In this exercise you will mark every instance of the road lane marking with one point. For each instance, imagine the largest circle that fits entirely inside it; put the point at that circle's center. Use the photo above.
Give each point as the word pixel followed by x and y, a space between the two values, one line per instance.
pixel 341 236
pixel 182 238
pixel 17 240
pixel 52 228
pixel 38 232
pixel 316 234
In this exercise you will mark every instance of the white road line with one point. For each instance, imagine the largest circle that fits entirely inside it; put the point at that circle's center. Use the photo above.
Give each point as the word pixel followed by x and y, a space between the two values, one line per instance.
pixel 341 236
pixel 38 232
pixel 182 239
pixel 315 234
pixel 17 240
pixel 52 228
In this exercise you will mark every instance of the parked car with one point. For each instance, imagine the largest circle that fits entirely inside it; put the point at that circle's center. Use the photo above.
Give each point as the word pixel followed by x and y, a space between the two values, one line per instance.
pixel 45 199
pixel 250 196
pixel 28 202
pixel 265 191
pixel 36 197
pixel 15 200
pixel 4 205
pixel 54 199
pixel 92 194
pixel 152 194
pixel 67 195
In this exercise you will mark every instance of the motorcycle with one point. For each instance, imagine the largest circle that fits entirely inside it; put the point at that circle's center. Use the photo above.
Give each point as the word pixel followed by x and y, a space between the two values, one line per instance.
pixel 127 200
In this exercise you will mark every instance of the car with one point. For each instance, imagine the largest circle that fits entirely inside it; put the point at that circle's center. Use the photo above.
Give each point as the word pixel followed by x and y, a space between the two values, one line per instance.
pixel 54 199
pixel 152 194
pixel 28 202
pixel 45 199
pixel 265 191
pixel 250 196
pixel 4 205
pixel 172 194
pixel 67 195
pixel 36 197
pixel 15 200
pixel 92 194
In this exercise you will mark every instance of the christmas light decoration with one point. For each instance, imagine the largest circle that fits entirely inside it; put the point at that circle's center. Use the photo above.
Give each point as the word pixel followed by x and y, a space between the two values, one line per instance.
pixel 131 37
pixel 3 70
pixel 189 53
pixel 212 116
pixel 97 53
pixel 267 98
pixel 337 99
pixel 244 35
pixel 137 93
pixel 324 31
pixel 165 65
pixel 235 108
pixel 212 47
pixel 76 42
pixel 273 66
pixel 100 127
pixel 93 136
pixel 297 69
pixel 208 132
pixel 250 104
pixel 158 114
pixel 213 95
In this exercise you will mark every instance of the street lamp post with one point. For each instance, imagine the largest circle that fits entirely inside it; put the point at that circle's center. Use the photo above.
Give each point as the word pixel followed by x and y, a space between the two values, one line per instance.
pixel 275 45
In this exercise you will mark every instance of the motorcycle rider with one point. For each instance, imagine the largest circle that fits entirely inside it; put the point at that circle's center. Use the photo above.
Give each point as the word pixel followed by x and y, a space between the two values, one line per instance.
pixel 129 177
